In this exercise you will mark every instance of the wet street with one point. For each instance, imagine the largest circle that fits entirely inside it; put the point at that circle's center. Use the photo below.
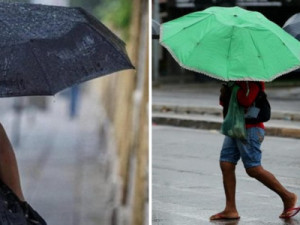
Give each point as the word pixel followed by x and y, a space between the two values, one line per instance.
pixel 63 162
pixel 187 184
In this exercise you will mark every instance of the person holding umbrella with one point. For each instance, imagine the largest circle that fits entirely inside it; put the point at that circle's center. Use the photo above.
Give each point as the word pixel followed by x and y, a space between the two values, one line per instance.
pixel 46 49
pixel 249 150
pixel 10 180
pixel 234 44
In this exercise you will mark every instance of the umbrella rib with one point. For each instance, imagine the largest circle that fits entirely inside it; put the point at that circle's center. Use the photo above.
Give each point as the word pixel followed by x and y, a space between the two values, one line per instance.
pixel 39 63
pixel 287 71
pixel 252 39
pixel 274 32
pixel 95 24
pixel 162 28
pixel 228 51
pixel 121 46
pixel 201 40
pixel 189 67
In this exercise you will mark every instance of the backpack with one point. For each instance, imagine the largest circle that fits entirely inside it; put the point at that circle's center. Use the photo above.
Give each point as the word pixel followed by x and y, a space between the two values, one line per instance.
pixel 261 103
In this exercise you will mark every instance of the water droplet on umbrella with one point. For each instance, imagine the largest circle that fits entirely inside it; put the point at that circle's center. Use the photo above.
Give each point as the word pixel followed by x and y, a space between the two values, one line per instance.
pixel 73 42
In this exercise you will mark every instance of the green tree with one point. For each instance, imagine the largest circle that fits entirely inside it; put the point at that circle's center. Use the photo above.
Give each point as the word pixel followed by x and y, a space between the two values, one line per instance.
pixel 116 13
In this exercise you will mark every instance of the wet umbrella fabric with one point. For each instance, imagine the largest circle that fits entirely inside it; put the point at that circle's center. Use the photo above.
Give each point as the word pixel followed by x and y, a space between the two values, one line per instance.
pixel 45 49
pixel 292 26
pixel 231 44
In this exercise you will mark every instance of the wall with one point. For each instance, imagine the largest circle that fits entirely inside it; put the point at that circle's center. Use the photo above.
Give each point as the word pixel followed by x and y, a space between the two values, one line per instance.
pixel 125 99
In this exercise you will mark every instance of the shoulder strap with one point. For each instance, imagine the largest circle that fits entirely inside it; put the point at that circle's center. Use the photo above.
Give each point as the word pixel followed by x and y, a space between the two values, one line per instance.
pixel 259 85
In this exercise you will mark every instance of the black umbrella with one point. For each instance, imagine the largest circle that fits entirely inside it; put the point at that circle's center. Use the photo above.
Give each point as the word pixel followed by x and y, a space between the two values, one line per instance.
pixel 45 49
pixel 155 29
pixel 292 26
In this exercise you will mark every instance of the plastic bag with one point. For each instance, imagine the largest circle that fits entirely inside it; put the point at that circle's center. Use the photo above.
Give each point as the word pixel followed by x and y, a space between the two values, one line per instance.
pixel 234 122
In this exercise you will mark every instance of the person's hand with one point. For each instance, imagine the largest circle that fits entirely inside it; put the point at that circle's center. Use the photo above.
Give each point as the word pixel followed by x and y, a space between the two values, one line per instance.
pixel 225 93
pixel 223 89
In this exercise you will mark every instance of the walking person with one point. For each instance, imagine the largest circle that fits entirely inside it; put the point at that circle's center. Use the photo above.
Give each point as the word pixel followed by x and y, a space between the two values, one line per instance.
pixel 10 180
pixel 249 151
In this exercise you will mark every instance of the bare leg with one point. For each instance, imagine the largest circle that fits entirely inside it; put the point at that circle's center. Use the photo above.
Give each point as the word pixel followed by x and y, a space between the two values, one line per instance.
pixel 268 179
pixel 9 173
pixel 229 182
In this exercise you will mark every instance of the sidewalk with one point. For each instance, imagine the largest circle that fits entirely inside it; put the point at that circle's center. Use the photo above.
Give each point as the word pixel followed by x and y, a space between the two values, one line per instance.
pixel 65 164
pixel 197 106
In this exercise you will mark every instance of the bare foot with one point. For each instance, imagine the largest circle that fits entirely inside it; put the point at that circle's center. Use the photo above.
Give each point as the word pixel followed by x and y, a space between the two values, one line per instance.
pixel 289 203
pixel 225 215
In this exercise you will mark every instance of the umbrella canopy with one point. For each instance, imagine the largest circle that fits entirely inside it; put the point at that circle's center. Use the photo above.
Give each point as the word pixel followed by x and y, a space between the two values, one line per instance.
pixel 292 26
pixel 231 44
pixel 155 29
pixel 45 49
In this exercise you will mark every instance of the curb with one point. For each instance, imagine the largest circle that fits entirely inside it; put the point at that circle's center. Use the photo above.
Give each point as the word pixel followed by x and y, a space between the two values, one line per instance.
pixel 215 125
pixel 277 115
pixel 186 109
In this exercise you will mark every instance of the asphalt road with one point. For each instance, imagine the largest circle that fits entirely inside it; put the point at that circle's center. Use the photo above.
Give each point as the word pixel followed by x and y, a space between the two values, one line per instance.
pixel 187 184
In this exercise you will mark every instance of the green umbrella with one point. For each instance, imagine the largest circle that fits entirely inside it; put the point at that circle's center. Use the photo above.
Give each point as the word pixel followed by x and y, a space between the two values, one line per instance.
pixel 231 44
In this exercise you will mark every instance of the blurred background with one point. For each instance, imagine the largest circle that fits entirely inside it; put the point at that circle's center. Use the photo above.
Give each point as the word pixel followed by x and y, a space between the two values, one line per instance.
pixel 186 138
pixel 83 153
